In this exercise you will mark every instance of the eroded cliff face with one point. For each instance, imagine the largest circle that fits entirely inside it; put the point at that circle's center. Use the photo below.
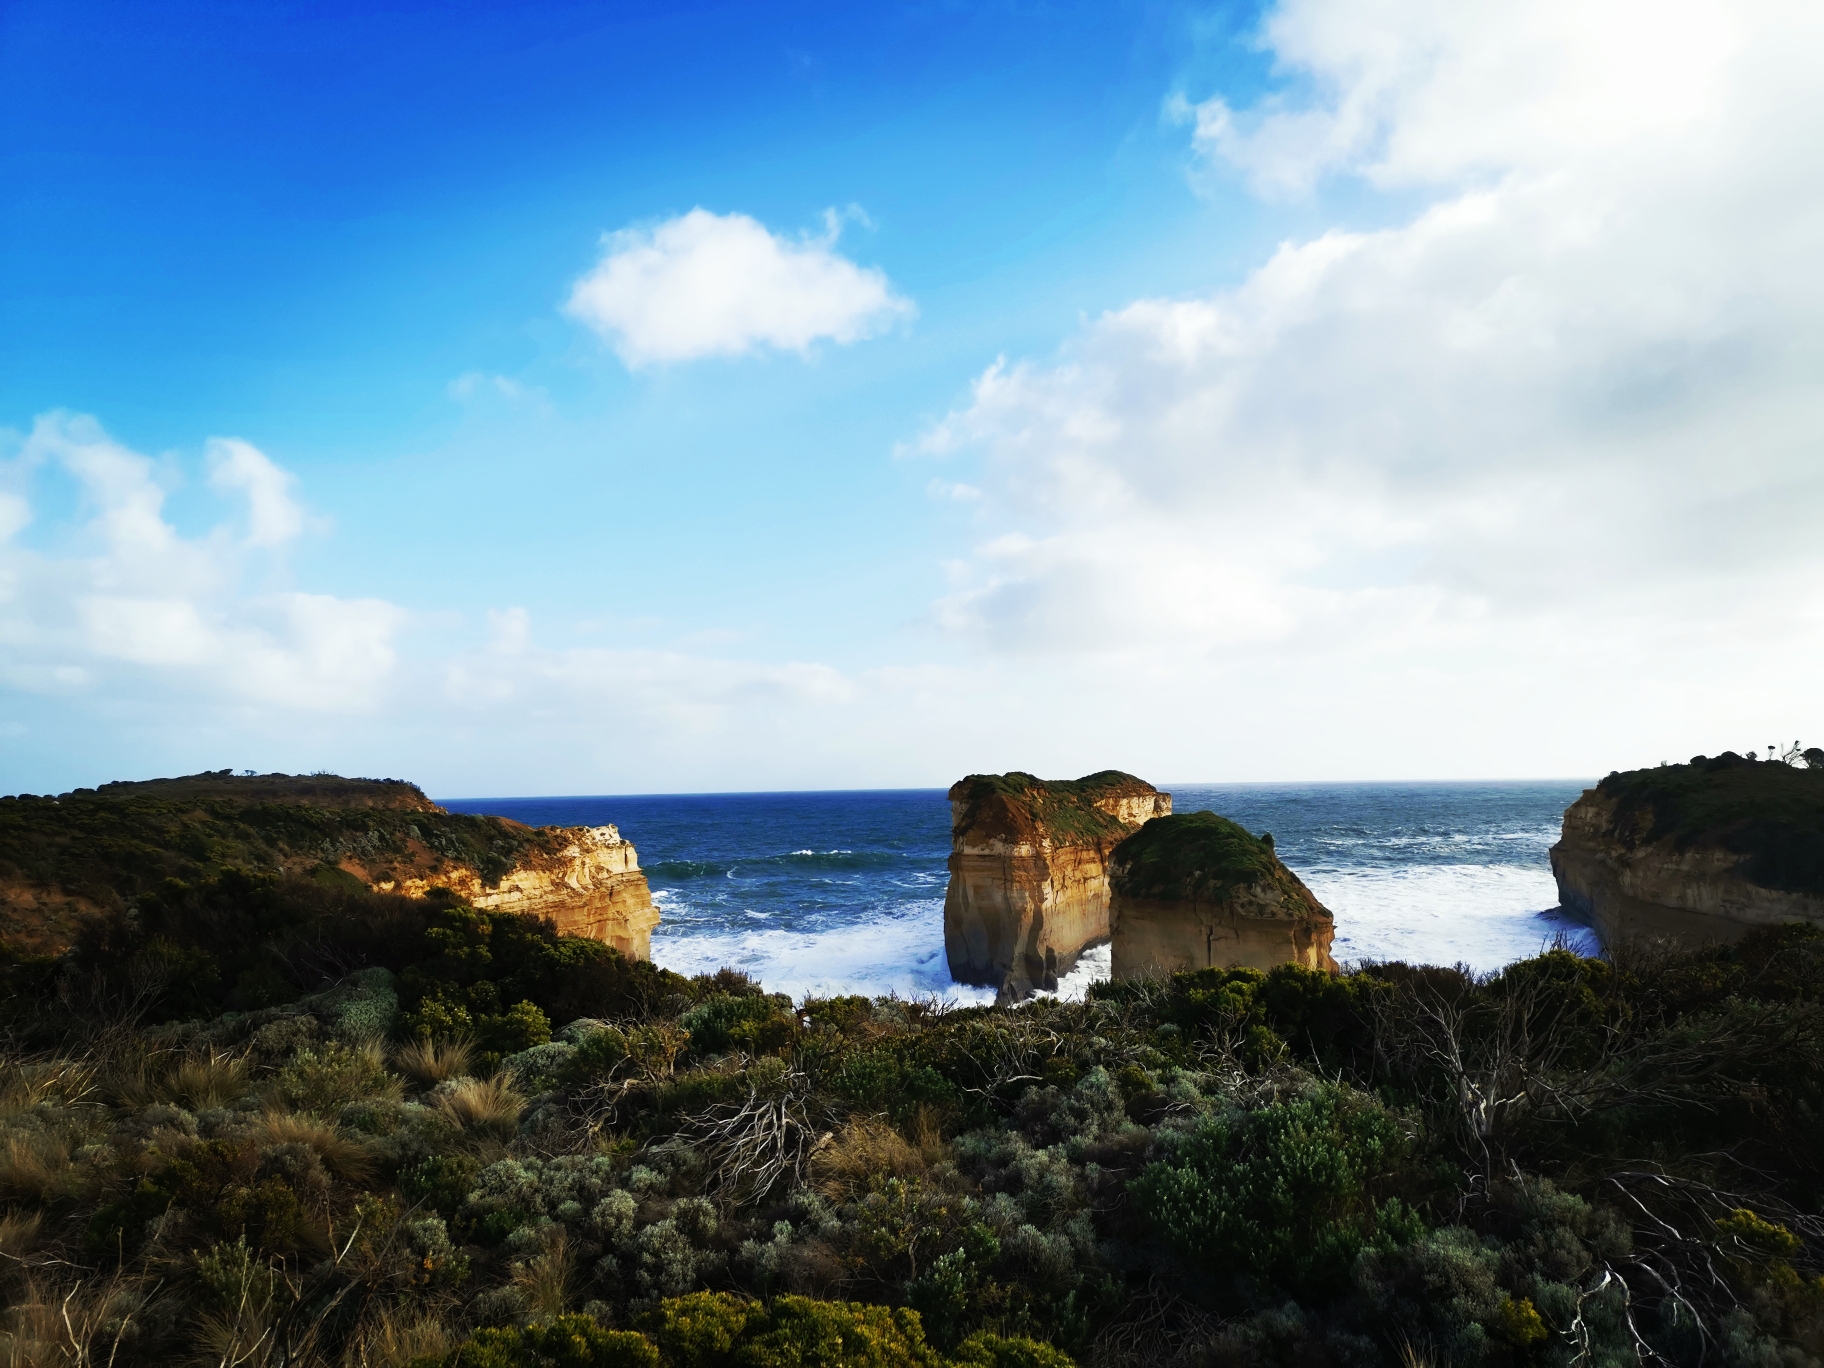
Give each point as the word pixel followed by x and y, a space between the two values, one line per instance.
pixel 1029 872
pixel 587 885
pixel 1699 852
pixel 1199 892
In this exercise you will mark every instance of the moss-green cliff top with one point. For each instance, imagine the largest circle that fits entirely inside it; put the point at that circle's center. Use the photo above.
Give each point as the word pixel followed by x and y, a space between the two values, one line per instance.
pixel 1770 813
pixel 1193 855
pixel 1019 806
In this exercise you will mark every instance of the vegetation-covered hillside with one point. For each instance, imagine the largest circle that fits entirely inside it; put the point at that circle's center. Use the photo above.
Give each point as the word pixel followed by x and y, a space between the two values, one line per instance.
pixel 97 850
pixel 1771 813
pixel 430 1136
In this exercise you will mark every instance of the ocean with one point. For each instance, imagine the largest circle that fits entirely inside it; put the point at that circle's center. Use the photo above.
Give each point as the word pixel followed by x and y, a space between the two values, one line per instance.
pixel 826 893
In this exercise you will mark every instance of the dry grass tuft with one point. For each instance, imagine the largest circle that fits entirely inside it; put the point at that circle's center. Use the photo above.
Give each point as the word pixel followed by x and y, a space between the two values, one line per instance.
pixel 430 1062
pixel 859 1151
pixel 25 1083
pixel 545 1281
pixel 391 1340
pixel 75 1327
pixel 489 1105
pixel 348 1159
pixel 199 1082
pixel 18 1233
pixel 34 1168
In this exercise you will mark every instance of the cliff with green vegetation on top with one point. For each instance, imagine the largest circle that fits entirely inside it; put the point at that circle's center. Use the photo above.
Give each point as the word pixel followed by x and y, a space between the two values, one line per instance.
pixel 1703 850
pixel 98 851
pixel 1028 886
pixel 1197 891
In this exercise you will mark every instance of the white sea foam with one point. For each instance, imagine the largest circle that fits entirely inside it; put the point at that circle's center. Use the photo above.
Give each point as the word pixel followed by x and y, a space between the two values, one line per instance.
pixel 900 952
pixel 1481 915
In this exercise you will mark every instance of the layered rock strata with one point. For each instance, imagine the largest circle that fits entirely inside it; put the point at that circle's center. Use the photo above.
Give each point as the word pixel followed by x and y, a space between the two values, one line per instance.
pixel 1029 872
pixel 1705 851
pixel 1198 891
pixel 589 885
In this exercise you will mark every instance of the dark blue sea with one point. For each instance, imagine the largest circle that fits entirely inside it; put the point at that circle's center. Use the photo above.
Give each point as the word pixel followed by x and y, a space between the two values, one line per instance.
pixel 844 892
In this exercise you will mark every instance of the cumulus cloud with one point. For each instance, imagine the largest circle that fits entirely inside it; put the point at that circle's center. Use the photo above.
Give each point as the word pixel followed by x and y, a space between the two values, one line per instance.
pixel 706 284
pixel 136 604
pixel 1564 416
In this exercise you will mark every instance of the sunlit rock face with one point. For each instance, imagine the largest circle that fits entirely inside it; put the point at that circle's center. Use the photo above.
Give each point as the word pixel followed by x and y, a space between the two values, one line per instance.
pixel 587 883
pixel 1198 891
pixel 1029 872
pixel 1705 851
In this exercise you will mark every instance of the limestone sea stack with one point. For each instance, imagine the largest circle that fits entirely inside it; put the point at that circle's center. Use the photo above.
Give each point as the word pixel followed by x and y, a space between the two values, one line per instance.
pixel 1197 891
pixel 1029 872
pixel 1704 851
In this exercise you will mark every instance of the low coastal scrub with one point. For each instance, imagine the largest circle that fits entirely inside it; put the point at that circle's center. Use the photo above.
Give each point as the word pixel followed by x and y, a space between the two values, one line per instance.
pixel 262 1121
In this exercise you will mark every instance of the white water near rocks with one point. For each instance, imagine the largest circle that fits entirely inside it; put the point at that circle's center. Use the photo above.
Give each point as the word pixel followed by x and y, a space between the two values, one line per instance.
pixel 826 893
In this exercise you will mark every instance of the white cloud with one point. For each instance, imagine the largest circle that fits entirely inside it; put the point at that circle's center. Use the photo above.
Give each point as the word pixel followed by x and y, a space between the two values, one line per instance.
pixel 1561 423
pixel 273 517
pixel 706 284
pixel 136 605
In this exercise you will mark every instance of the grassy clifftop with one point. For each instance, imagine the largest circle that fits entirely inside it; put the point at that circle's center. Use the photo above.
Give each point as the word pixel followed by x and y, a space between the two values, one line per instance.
pixel 1193 855
pixel 1770 813
pixel 1016 806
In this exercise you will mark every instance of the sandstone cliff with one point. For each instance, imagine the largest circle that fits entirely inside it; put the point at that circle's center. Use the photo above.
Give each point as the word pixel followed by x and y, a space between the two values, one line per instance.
pixel 95 851
pixel 1028 872
pixel 589 885
pixel 1703 851
pixel 1197 892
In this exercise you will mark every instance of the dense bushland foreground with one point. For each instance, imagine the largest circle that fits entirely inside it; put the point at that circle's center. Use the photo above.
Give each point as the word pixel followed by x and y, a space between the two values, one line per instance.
pixel 431 1136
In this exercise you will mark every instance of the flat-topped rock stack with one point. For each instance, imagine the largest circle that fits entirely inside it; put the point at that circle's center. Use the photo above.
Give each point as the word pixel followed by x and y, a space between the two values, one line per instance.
pixel 1029 872
pixel 1197 891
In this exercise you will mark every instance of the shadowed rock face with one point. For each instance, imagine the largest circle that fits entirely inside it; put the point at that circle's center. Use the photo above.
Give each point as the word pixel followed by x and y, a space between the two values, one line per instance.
pixel 1198 892
pixel 1700 852
pixel 1028 872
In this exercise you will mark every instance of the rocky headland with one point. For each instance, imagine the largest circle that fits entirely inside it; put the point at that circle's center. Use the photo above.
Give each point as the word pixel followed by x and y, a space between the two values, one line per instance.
pixel 1704 851
pixel 1197 891
pixel 95 851
pixel 1029 872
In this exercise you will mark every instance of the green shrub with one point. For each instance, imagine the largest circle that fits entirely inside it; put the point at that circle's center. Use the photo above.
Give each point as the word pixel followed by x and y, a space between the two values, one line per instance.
pixel 755 1024
pixel 566 1342
pixel 327 1077
pixel 1285 1194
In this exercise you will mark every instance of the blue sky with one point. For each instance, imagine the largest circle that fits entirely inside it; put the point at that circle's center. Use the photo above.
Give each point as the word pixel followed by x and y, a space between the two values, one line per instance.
pixel 1156 455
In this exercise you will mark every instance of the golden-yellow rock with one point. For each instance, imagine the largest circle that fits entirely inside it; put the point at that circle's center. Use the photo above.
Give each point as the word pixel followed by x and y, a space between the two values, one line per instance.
pixel 589 884
pixel 1028 872
pixel 1197 891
